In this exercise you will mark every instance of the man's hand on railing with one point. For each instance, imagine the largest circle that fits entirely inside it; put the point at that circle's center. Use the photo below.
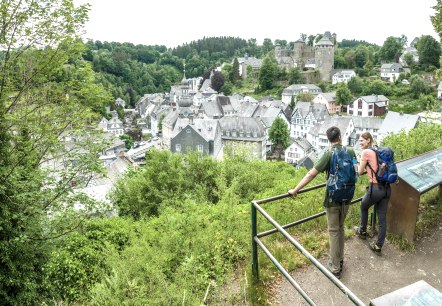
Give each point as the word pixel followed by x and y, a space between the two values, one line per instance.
pixel 292 192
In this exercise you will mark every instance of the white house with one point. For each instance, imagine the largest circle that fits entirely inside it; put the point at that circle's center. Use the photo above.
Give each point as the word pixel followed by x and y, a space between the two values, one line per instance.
pixel 391 72
pixel 318 137
pixel 329 99
pixel 365 124
pixel 115 126
pixel 305 116
pixel 343 76
pixel 299 149
pixel 368 106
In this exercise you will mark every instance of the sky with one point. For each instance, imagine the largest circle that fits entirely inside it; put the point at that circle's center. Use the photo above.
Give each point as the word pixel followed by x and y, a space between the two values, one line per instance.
pixel 175 22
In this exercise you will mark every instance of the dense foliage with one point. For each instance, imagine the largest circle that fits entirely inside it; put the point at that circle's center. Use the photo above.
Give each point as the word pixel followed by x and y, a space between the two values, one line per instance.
pixel 46 95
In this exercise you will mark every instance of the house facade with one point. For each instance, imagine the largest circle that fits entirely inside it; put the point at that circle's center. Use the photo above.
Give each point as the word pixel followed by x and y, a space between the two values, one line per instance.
pixel 329 99
pixel 305 116
pixel 318 137
pixel 246 61
pixel 299 149
pixel 368 106
pixel 364 124
pixel 391 72
pixel 343 76
pixel 243 134
pixel 199 135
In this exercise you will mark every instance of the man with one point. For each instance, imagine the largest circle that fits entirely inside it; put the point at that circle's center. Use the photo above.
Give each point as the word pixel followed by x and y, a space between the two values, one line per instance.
pixel 336 212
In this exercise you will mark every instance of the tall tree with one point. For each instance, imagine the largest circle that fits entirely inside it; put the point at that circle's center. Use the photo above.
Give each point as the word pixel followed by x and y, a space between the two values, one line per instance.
pixel 391 49
pixel 217 80
pixel 429 51
pixel 44 93
pixel 234 74
pixel 268 73
pixel 279 134
pixel 295 76
pixel 343 94
pixel 267 46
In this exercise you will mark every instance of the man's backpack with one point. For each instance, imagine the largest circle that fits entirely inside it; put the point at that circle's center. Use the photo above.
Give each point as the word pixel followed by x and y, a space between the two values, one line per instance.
pixel 387 170
pixel 340 186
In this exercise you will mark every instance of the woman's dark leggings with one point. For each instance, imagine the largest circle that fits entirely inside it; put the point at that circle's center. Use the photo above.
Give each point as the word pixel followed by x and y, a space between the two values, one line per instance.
pixel 379 195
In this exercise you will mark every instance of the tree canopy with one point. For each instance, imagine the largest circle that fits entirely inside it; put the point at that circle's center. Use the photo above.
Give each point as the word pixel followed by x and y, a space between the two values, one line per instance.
pixel 279 133
pixel 46 95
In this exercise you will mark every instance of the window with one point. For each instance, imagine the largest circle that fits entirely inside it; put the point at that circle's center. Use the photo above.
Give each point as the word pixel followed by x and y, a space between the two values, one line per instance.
pixel 188 131
pixel 360 113
pixel 200 148
pixel 178 147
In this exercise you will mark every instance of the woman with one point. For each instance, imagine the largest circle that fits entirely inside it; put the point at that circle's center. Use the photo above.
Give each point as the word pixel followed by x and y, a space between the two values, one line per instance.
pixel 377 194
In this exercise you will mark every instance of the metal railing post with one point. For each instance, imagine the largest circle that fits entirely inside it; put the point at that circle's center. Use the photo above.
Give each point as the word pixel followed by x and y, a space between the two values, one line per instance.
pixel 254 244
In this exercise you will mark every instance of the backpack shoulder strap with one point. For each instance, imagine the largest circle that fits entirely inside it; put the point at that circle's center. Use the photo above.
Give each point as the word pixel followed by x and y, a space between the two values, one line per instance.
pixel 333 158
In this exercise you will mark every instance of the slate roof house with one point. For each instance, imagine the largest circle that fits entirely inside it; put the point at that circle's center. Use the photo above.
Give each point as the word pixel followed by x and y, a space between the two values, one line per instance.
pixel 318 137
pixel 115 126
pixel 239 133
pixel 245 61
pixel 329 99
pixel 296 89
pixel 305 116
pixel 390 72
pixel 200 135
pixel 299 149
pixel 211 109
pixel 364 124
pixel 343 76
pixel 396 122
pixel 369 106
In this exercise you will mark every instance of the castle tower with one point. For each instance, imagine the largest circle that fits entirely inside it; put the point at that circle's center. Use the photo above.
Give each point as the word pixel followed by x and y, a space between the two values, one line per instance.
pixel 325 57
pixel 298 51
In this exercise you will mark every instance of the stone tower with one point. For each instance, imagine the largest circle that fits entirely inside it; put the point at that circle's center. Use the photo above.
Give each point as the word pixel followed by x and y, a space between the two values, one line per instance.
pixel 298 51
pixel 325 56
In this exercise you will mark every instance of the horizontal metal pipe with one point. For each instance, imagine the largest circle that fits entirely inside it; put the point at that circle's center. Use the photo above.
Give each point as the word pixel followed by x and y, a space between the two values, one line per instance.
pixel 286 195
pixel 263 234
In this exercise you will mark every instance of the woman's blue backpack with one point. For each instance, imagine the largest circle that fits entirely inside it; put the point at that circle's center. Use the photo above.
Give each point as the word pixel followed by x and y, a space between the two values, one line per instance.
pixel 387 170
pixel 340 186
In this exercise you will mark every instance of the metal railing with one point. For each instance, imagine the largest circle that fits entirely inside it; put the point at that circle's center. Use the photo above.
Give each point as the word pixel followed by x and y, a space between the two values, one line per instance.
pixel 282 229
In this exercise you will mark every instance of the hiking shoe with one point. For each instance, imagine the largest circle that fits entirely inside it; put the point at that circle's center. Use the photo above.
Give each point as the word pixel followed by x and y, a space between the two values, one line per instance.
pixel 336 274
pixel 375 248
pixel 361 234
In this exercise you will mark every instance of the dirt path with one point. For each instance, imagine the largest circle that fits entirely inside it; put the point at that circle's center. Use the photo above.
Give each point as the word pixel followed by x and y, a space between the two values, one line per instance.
pixel 367 275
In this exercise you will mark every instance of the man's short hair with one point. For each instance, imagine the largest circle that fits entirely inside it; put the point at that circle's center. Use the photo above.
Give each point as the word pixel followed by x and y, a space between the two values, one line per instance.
pixel 333 134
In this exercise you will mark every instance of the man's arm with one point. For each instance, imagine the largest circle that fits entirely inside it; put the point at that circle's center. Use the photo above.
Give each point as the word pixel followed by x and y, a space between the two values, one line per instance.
pixel 305 180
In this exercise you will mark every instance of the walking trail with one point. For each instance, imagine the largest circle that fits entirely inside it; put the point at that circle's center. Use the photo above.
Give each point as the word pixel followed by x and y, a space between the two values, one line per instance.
pixel 368 276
